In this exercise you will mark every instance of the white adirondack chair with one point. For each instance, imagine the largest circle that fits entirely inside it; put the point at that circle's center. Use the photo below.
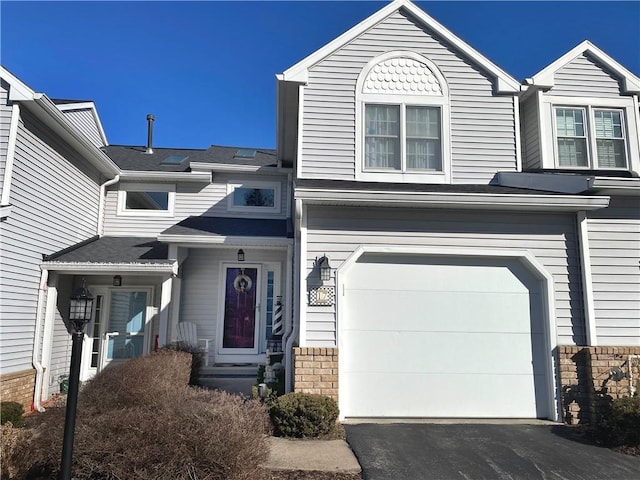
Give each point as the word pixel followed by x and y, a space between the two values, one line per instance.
pixel 188 333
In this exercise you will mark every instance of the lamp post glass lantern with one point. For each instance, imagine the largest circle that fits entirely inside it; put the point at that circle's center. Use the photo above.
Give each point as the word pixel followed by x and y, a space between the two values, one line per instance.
pixel 80 309
pixel 325 269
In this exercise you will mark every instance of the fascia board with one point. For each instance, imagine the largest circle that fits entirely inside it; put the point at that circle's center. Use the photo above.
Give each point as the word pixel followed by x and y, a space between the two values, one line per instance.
pixel 545 77
pixel 98 268
pixel 229 167
pixel 505 83
pixel 205 240
pixel 565 203
pixel 627 186
pixel 196 177
pixel 49 113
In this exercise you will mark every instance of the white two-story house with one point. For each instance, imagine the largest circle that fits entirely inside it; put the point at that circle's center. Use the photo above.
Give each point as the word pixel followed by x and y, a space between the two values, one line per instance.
pixel 445 240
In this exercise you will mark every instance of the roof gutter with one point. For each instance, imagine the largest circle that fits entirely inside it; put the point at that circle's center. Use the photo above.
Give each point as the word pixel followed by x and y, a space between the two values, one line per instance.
pixel 197 177
pixel 485 201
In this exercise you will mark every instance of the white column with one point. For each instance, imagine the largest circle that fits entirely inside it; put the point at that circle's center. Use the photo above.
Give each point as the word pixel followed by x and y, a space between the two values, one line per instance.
pixel 165 305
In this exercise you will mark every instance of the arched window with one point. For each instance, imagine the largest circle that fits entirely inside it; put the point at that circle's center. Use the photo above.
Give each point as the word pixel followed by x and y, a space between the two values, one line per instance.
pixel 402 120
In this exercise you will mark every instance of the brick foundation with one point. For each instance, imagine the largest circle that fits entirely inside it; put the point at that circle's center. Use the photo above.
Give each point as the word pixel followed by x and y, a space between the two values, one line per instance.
pixel 588 381
pixel 315 370
pixel 18 387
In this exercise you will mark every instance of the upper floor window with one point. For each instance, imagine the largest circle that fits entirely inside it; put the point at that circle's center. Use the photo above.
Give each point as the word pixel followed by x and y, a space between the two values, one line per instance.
pixel 402 137
pixel 146 199
pixel 254 196
pixel 403 120
pixel 588 137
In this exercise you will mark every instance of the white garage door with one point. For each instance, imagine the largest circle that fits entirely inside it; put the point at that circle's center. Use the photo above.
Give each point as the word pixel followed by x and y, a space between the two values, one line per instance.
pixel 426 337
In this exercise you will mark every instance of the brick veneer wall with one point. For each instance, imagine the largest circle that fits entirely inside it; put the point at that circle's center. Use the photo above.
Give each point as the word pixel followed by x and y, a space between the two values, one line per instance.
pixel 18 387
pixel 315 370
pixel 588 382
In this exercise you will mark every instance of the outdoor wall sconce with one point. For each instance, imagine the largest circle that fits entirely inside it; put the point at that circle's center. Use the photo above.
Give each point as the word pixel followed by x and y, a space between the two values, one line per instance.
pixel 324 267
pixel 117 281
pixel 241 255
pixel 80 309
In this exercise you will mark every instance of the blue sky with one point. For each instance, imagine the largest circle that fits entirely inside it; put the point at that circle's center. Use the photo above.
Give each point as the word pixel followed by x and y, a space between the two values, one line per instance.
pixel 206 69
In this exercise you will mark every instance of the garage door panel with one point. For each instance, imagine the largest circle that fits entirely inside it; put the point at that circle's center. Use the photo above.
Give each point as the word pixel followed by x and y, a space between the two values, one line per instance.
pixel 419 352
pixel 411 395
pixel 446 337
pixel 438 311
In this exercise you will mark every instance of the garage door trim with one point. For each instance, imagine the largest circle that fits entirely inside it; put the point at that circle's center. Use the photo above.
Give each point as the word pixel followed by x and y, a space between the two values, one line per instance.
pixel 524 256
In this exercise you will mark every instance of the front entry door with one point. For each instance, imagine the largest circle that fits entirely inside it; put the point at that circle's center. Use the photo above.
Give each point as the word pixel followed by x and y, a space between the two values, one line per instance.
pixel 239 328
pixel 119 329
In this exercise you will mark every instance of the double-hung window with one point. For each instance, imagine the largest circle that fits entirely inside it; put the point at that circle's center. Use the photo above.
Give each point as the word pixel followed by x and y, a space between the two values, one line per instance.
pixel 588 137
pixel 402 137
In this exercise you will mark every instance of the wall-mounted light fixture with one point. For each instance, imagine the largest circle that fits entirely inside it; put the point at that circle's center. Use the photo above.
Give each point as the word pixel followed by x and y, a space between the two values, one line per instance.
pixel 117 281
pixel 324 267
pixel 241 255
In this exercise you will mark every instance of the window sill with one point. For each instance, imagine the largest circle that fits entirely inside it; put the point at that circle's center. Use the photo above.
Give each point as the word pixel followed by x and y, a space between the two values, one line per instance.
pixel 402 177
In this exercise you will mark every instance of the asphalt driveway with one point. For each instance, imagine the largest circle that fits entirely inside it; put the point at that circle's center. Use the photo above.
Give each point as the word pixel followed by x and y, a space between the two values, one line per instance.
pixel 472 452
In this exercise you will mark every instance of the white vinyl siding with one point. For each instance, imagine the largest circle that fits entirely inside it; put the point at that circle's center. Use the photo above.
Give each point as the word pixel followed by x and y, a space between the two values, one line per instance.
pixel 482 125
pixel 55 205
pixel 84 121
pixel 551 238
pixel 584 77
pixel 614 247
pixel 190 200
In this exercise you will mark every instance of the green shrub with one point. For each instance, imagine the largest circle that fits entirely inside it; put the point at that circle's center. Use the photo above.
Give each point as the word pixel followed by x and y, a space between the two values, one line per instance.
pixel 141 420
pixel 303 415
pixel 11 412
pixel 620 423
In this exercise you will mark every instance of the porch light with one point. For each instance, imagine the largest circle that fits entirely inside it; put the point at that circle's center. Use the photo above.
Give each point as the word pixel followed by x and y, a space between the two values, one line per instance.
pixel 325 268
pixel 80 308
pixel 117 281
pixel 241 255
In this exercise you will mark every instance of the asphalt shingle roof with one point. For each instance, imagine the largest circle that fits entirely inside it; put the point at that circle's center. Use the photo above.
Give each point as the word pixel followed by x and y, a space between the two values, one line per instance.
pixel 232 227
pixel 129 157
pixel 114 250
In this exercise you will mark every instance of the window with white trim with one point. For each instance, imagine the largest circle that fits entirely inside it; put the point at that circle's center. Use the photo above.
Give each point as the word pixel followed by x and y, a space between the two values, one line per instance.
pixel 403 118
pixel 253 196
pixel 138 199
pixel 589 137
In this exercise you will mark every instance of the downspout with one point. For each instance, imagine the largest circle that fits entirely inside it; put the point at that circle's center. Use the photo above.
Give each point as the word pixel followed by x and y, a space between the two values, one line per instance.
pixel 37 364
pixel 103 191
pixel 587 285
pixel 292 335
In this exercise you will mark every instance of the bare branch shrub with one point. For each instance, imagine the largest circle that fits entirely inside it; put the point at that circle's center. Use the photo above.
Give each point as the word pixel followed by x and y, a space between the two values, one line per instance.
pixel 12 453
pixel 140 420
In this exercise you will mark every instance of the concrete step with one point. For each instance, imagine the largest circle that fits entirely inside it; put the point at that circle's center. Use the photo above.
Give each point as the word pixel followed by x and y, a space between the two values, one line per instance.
pixel 236 385
pixel 230 371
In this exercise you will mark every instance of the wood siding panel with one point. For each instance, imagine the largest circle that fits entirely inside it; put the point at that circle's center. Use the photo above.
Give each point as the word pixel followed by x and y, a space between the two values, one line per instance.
pixel 530 129
pixel 585 77
pixel 55 205
pixel 482 125
pixel 190 200
pixel 84 120
pixel 614 247
pixel 337 232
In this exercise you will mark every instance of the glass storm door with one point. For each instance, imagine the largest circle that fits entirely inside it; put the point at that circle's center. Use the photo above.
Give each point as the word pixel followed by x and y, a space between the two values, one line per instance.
pixel 125 334
pixel 240 324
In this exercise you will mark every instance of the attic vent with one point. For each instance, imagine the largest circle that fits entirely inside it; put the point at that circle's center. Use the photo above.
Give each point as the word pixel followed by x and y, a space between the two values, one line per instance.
pixel 174 160
pixel 245 153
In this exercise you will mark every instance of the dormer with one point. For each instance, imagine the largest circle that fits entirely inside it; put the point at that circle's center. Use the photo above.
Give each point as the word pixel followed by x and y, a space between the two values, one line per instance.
pixel 581 113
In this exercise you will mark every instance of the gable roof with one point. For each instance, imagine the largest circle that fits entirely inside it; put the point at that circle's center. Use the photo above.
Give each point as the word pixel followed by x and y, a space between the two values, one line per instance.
pixel 505 83
pixel 545 78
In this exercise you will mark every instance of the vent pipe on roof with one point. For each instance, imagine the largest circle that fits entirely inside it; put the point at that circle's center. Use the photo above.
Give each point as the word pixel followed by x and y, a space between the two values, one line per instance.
pixel 150 119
